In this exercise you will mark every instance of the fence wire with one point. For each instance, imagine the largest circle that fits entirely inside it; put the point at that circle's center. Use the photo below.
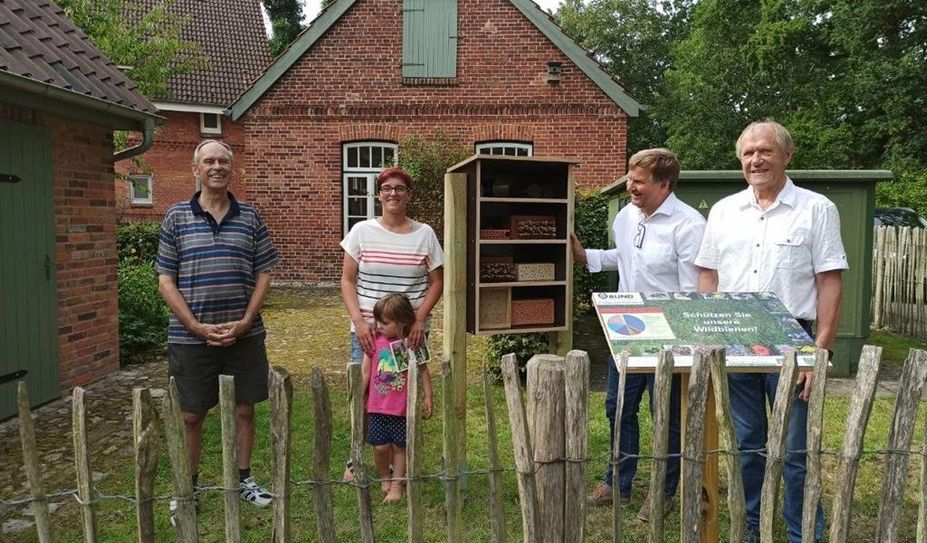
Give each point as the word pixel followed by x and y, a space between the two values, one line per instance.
pixel 443 477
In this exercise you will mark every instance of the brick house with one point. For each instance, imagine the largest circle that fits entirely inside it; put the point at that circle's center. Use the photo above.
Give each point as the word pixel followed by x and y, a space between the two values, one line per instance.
pixel 60 100
pixel 497 75
pixel 231 35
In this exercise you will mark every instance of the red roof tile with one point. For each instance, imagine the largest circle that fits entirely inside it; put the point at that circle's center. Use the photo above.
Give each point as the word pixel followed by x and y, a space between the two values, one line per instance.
pixel 232 35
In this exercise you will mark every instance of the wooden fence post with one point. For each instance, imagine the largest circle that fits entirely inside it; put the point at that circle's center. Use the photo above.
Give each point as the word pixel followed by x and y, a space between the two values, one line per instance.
pixel 736 502
pixel 576 429
pixel 413 452
pixel 878 294
pixel 911 385
pixel 662 386
pixel 31 461
pixel 857 419
pixel 546 391
pixel 146 428
pixel 694 448
pixel 82 465
pixel 813 485
pixel 361 482
pixel 497 518
pixel 521 442
pixel 180 467
pixel 617 525
pixel 454 367
pixel 281 407
pixel 776 445
pixel 922 506
pixel 321 461
pixel 231 495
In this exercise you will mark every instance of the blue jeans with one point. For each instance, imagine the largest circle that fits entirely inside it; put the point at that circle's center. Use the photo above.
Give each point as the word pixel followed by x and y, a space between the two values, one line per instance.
pixel 635 384
pixel 748 411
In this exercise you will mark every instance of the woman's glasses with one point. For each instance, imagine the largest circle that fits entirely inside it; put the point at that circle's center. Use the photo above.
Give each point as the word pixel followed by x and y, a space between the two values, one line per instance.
pixel 639 238
pixel 397 189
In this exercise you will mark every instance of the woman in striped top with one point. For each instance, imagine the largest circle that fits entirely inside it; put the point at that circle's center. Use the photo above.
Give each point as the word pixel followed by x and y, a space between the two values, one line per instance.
pixel 390 253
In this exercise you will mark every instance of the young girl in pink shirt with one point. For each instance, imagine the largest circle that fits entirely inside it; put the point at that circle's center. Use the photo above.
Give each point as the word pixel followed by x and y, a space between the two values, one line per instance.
pixel 385 370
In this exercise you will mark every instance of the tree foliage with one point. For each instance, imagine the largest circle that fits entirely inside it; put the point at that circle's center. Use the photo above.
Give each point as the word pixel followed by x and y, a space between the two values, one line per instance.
pixel 427 160
pixel 286 23
pixel 632 40
pixel 847 77
pixel 148 43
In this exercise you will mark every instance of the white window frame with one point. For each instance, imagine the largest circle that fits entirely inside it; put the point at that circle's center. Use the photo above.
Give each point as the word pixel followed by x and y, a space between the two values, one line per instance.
pixel 133 198
pixel 356 169
pixel 490 148
pixel 209 129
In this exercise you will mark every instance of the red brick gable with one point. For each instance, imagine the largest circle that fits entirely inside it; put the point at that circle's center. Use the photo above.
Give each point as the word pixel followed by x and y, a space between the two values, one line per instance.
pixel 502 61
pixel 348 86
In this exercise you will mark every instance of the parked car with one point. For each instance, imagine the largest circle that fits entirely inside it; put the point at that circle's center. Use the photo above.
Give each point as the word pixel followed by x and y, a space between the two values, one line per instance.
pixel 899 216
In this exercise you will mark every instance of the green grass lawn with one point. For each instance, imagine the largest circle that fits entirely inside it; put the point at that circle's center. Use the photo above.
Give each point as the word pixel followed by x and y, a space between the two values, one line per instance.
pixel 308 329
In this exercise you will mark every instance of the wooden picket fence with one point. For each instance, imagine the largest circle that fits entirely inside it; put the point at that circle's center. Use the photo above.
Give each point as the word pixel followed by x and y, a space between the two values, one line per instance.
pixel 899 280
pixel 549 436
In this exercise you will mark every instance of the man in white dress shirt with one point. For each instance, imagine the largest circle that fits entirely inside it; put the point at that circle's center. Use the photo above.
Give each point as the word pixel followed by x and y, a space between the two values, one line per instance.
pixel 774 237
pixel 656 241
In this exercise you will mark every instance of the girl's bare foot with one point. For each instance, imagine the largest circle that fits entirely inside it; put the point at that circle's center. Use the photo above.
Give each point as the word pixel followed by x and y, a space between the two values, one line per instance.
pixel 348 476
pixel 394 494
pixel 385 486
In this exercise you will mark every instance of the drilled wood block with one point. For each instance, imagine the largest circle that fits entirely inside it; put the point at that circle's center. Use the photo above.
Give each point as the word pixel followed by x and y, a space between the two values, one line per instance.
pixel 534 227
pixel 496 269
pixel 540 271
pixel 495 308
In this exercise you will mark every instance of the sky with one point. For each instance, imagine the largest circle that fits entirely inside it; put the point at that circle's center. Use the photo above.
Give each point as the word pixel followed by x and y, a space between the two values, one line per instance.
pixel 311 7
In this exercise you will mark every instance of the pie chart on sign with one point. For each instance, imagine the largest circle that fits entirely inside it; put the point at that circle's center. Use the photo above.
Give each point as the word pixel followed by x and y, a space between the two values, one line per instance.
pixel 626 325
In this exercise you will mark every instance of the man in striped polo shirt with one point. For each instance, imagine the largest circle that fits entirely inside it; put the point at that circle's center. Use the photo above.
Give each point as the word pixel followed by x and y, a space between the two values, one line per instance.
pixel 214 262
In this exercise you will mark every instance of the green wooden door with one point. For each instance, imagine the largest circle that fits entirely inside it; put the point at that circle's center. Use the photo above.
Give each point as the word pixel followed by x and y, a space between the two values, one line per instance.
pixel 28 297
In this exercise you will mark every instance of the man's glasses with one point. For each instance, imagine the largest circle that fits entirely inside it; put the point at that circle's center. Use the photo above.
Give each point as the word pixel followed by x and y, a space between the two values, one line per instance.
pixel 398 189
pixel 639 238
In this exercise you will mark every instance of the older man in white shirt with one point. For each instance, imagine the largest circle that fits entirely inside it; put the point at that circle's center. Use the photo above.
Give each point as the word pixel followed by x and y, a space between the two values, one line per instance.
pixel 774 236
pixel 656 241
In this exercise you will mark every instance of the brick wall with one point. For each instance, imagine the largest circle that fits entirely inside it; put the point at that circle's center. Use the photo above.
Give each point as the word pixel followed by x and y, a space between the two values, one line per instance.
pixel 85 241
pixel 168 161
pixel 349 87
pixel 85 238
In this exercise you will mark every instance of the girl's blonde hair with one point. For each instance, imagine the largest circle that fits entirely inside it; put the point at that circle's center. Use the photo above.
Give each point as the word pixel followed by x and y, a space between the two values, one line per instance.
pixel 396 308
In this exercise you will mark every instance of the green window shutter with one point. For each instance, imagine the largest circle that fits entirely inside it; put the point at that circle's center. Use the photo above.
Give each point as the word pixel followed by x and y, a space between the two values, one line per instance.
pixel 429 38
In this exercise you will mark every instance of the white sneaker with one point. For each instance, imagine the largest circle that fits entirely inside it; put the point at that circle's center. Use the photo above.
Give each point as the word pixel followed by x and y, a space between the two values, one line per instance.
pixel 252 492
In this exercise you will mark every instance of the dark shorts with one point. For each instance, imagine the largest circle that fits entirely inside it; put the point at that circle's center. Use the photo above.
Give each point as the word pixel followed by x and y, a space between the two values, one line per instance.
pixel 196 370
pixel 383 429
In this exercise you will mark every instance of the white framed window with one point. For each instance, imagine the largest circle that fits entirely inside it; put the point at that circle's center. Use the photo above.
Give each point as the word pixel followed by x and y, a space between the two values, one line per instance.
pixel 140 189
pixel 361 162
pixel 210 123
pixel 507 148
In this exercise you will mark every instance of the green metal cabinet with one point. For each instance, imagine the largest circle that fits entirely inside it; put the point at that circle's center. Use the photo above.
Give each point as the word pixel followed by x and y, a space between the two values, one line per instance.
pixel 853 192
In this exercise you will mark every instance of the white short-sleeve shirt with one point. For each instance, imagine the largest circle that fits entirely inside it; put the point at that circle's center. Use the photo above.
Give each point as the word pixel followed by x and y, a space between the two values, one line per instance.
pixel 665 260
pixel 389 262
pixel 779 249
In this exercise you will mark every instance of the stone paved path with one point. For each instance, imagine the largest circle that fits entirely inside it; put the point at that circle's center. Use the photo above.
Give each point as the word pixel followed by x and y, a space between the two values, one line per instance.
pixel 109 435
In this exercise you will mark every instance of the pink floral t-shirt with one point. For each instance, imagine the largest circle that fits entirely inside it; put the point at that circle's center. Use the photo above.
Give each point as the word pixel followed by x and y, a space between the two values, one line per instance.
pixel 387 391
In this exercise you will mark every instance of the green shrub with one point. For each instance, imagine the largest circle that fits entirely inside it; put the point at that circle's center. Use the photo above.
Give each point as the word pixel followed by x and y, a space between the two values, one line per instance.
pixel 591 226
pixel 523 345
pixel 138 241
pixel 142 313
pixel 427 161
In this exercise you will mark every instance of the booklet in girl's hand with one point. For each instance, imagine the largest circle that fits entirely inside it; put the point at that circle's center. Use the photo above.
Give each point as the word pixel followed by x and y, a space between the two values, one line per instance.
pixel 404 354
